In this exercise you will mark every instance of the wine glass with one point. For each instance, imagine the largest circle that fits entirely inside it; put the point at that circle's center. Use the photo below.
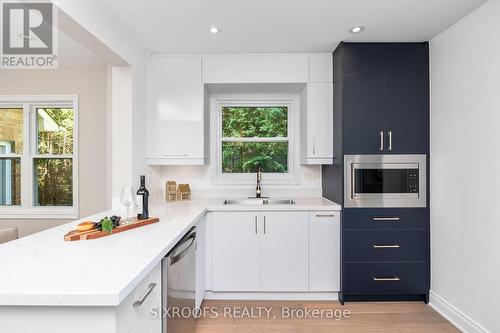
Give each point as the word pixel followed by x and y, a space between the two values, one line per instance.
pixel 127 199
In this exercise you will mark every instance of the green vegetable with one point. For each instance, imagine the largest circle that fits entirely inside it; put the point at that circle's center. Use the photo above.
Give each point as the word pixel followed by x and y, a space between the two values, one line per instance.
pixel 107 225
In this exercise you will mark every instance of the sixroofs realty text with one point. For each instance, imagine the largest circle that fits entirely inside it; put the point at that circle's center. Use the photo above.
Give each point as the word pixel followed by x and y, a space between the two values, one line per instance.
pixel 254 312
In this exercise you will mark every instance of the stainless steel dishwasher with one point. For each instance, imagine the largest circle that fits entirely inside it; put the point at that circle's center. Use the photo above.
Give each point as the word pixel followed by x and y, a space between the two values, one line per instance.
pixel 178 274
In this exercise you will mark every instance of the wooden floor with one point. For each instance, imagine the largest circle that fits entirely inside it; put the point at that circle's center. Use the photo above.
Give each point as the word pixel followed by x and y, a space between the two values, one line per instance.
pixel 394 317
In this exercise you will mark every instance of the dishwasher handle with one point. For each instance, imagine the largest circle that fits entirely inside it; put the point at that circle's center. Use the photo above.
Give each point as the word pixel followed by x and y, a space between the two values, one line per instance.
pixel 175 257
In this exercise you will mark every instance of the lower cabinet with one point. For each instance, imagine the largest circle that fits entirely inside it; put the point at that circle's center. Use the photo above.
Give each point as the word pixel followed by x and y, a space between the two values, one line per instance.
pixel 134 314
pixel 386 278
pixel 283 251
pixel 385 254
pixel 200 274
pixel 324 251
pixel 236 251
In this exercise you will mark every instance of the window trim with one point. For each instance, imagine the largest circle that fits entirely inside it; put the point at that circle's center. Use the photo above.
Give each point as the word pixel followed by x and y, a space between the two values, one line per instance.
pixel 27 210
pixel 291 101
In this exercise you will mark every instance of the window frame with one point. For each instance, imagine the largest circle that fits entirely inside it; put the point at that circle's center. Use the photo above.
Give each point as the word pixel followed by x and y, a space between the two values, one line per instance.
pixel 256 100
pixel 27 209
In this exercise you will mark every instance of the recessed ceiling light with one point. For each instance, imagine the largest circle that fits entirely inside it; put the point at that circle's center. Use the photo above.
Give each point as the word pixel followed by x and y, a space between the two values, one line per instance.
pixel 356 29
pixel 214 29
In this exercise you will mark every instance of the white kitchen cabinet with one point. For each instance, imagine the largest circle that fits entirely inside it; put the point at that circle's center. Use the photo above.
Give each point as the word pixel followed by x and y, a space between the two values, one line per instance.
pixel 136 318
pixel 200 261
pixel 260 251
pixel 236 251
pixel 317 124
pixel 321 68
pixel 256 68
pixel 284 256
pixel 176 119
pixel 324 251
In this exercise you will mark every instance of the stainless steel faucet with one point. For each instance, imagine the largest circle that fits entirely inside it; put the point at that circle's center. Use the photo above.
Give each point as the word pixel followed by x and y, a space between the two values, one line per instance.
pixel 258 190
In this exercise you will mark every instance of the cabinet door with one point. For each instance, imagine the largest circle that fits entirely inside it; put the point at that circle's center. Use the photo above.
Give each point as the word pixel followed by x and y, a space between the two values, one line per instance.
pixel 321 68
pixel 284 251
pixel 200 261
pixel 236 251
pixel 255 68
pixel 319 121
pixel 324 251
pixel 146 317
pixel 407 113
pixel 363 113
pixel 175 110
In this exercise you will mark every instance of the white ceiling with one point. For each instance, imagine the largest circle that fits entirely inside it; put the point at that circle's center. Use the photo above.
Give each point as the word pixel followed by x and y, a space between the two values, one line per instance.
pixel 180 26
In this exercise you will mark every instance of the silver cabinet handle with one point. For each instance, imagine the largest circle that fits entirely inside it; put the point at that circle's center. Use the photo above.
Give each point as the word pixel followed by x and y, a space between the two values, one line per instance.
pixel 256 224
pixel 264 224
pixel 150 289
pixel 390 139
pixel 394 278
pixel 325 215
pixel 392 246
pixel 381 134
pixel 386 219
pixel 174 155
pixel 314 145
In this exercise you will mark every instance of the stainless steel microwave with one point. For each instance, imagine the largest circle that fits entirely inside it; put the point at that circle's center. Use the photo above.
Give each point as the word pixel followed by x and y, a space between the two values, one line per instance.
pixel 385 180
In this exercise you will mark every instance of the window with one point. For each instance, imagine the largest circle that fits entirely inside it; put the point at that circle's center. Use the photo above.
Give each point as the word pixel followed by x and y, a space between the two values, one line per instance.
pixel 38 157
pixel 252 134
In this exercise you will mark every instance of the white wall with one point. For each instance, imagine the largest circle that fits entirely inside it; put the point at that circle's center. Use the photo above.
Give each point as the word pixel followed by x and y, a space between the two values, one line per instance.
pixel 465 162
pixel 90 86
pixel 200 180
pixel 96 19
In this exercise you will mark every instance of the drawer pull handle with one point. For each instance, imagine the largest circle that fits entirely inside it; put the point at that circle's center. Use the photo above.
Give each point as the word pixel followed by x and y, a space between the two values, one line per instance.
pixel 392 246
pixel 386 219
pixel 325 215
pixel 150 289
pixel 379 279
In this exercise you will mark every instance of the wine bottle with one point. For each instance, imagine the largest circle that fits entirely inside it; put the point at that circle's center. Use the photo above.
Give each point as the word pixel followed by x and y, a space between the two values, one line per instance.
pixel 142 200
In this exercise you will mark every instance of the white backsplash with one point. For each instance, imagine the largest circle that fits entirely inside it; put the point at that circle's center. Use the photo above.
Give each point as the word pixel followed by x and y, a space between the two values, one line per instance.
pixel 200 180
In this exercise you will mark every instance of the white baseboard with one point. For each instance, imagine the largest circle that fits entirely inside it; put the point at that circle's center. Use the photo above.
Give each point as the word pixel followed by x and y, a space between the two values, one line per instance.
pixel 454 316
pixel 263 296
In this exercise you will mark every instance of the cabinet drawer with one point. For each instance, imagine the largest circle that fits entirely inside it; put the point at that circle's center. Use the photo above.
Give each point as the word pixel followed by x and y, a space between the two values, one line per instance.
pixel 385 218
pixel 386 278
pixel 385 245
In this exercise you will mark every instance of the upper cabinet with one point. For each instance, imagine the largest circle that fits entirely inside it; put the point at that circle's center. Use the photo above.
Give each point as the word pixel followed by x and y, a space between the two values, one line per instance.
pixel 175 111
pixel 317 112
pixel 179 108
pixel 383 94
pixel 316 124
pixel 320 68
pixel 265 68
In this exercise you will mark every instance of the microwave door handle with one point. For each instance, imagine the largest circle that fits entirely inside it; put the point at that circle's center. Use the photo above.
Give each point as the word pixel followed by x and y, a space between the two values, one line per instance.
pixel 352 180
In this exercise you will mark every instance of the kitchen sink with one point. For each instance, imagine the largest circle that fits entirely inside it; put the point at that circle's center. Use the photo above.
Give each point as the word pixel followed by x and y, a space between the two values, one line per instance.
pixel 259 202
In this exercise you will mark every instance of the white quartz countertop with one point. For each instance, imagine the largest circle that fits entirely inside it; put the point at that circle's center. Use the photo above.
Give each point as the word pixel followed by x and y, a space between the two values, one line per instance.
pixel 44 270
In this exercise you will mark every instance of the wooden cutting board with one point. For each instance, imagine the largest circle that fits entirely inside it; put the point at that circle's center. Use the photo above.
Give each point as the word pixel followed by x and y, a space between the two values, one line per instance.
pixel 75 235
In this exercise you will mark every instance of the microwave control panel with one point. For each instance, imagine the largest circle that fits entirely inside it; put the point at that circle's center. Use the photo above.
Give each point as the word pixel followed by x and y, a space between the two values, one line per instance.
pixel 413 181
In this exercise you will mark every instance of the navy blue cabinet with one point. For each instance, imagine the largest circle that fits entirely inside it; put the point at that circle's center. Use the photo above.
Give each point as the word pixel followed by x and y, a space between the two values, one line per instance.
pixel 407 113
pixel 385 97
pixel 381 106
pixel 363 122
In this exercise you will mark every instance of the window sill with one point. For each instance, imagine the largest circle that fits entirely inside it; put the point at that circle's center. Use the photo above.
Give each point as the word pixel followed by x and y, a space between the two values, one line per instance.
pixel 41 213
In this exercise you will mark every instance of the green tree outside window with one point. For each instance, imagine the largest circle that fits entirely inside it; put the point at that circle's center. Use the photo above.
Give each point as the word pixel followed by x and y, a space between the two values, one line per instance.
pixel 253 137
